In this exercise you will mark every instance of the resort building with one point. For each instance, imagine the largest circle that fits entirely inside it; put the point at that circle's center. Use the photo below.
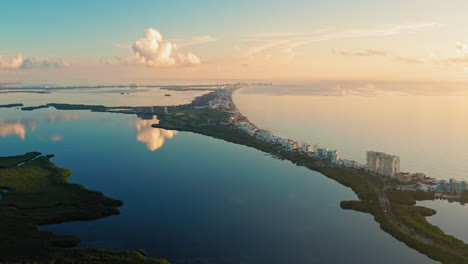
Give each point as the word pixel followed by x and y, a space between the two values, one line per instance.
pixel 324 153
pixel 264 135
pixel 350 164
pixel 383 164
pixel 290 144
pixel 305 147
pixel 333 156
pixel 452 186
pixel 410 177
pixel 320 152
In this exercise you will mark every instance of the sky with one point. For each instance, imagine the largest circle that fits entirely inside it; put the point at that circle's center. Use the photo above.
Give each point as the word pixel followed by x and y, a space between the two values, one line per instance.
pixel 99 41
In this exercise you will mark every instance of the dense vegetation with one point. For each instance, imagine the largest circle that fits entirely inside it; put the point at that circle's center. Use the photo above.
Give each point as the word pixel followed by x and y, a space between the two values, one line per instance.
pixel 6 162
pixel 39 194
pixel 409 197
pixel 10 105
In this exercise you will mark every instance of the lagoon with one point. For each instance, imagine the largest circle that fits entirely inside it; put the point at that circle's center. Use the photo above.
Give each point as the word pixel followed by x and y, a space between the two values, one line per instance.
pixel 195 199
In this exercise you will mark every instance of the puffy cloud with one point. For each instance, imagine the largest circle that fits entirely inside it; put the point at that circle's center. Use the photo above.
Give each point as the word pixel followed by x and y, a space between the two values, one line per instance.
pixel 153 51
pixel 18 62
pixel 11 63
pixel 462 48
pixel 41 63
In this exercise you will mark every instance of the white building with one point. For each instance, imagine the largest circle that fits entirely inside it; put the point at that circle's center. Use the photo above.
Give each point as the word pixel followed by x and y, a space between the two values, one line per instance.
pixel 247 128
pixel 264 135
pixel 320 152
pixel 325 153
pixel 383 164
pixel 305 147
pixel 333 156
pixel 290 144
pixel 351 164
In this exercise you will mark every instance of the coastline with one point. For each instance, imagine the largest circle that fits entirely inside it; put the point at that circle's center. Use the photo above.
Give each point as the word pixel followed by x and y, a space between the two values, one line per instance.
pixel 394 210
pixel 398 217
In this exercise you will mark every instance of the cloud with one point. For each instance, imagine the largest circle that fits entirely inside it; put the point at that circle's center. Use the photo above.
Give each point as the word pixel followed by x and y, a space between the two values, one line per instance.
pixel 41 63
pixel 410 60
pixel 12 63
pixel 287 42
pixel 154 138
pixel 153 51
pixel 381 53
pixel 197 40
pixel 18 62
pixel 461 48
pixel 462 59
pixel 16 127
pixel 58 118
pixel 56 138
pixel 367 53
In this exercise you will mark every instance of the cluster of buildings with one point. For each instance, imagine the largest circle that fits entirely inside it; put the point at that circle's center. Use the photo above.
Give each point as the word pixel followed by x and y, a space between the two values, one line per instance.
pixel 222 100
pixel 452 186
pixel 316 151
pixel 389 165
pixel 378 163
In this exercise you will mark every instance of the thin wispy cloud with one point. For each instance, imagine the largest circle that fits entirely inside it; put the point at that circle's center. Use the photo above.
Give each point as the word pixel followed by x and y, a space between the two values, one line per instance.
pixel 461 48
pixel 197 40
pixel 380 53
pixel 288 42
pixel 366 53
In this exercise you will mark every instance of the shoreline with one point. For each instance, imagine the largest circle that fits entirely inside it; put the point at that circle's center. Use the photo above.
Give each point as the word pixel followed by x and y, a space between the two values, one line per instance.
pixel 212 115
pixel 393 209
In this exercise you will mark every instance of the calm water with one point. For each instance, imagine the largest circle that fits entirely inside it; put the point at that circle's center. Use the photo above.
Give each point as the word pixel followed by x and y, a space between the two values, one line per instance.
pixel 195 199
pixel 425 124
pixel 451 217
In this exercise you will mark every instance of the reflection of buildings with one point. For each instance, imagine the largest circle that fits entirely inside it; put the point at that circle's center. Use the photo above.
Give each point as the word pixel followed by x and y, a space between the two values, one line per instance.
pixel 16 127
pixel 147 113
pixel 153 137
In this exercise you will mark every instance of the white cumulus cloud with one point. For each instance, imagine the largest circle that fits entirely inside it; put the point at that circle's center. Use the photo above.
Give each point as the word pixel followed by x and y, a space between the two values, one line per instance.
pixel 11 63
pixel 19 62
pixel 153 51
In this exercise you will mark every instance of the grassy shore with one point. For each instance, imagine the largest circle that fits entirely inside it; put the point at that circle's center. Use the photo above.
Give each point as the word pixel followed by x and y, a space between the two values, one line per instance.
pixel 6 162
pixel 39 194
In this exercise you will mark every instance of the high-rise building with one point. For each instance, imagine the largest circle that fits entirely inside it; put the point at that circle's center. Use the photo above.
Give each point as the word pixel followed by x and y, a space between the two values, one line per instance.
pixel 382 163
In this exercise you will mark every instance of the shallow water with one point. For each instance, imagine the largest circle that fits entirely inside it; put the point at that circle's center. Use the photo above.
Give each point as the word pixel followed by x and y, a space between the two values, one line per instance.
pixel 195 199
pixel 425 124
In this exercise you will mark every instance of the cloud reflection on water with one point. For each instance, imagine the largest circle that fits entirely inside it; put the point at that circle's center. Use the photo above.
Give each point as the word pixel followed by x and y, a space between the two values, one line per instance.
pixel 153 137
pixel 16 127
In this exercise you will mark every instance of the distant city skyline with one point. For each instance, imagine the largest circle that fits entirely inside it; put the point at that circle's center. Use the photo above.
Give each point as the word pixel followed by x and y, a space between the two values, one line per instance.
pixel 89 41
